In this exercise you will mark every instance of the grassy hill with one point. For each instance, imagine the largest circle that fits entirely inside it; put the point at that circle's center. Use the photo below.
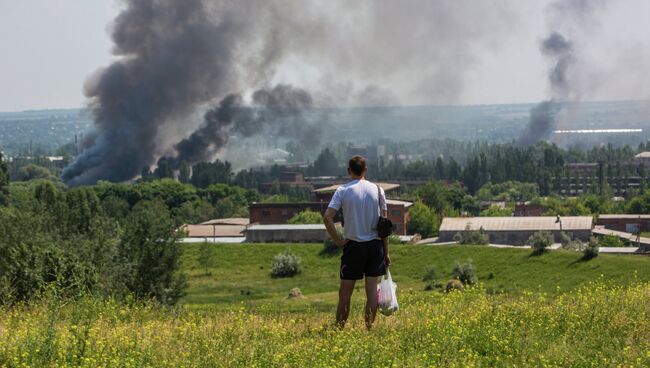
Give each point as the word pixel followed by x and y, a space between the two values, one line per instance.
pixel 239 317
pixel 241 273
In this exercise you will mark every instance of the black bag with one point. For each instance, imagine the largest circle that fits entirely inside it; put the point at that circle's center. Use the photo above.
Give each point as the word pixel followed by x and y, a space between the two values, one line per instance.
pixel 384 225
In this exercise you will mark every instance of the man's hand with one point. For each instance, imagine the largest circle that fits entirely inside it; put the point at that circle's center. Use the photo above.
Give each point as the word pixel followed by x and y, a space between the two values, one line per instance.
pixel 387 260
pixel 342 242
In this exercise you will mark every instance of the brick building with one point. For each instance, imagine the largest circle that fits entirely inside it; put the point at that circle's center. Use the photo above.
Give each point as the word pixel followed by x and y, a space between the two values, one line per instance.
pixel 626 223
pixel 527 209
pixel 280 213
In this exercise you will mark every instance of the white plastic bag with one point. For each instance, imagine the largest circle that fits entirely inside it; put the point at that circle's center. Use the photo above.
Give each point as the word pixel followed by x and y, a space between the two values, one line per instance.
pixel 386 295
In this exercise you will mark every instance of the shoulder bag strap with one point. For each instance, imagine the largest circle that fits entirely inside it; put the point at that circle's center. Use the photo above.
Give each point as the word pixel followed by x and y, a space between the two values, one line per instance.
pixel 379 200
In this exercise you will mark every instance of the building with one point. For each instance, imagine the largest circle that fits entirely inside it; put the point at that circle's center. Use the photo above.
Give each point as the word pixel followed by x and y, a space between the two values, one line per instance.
pixel 527 209
pixel 625 223
pixel 643 157
pixel 288 179
pixel 371 153
pixel 325 194
pixel 516 230
pixel 242 221
pixel 280 213
pixel 286 234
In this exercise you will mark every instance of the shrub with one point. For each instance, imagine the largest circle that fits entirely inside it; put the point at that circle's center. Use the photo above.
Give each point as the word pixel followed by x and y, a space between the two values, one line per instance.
pixel 540 241
pixel 570 244
pixel 465 272
pixel 611 241
pixel 429 277
pixel 467 236
pixel 286 264
pixel 454 285
pixel 329 247
pixel 306 217
pixel 592 249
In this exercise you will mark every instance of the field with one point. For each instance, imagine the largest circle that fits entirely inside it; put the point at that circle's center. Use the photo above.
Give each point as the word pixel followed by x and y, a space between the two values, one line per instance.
pixel 240 274
pixel 548 310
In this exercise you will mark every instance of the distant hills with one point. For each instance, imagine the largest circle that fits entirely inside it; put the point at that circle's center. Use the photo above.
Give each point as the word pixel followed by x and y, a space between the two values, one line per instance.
pixel 46 130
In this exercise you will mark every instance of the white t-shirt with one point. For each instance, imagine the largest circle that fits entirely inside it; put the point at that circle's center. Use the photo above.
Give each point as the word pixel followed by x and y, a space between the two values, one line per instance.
pixel 360 209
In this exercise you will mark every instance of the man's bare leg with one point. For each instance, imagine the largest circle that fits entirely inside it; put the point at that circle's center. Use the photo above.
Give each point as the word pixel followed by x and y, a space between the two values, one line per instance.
pixel 345 296
pixel 371 300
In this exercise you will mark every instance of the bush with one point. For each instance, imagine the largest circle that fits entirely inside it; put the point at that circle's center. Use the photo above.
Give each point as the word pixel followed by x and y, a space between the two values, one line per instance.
pixel 611 241
pixel 454 285
pixel 540 241
pixel 329 247
pixel 569 244
pixel 306 217
pixel 467 236
pixel 592 249
pixel 429 278
pixel 465 272
pixel 286 264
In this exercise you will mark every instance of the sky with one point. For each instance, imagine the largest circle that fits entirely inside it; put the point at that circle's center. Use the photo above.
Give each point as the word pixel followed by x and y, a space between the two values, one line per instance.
pixel 49 48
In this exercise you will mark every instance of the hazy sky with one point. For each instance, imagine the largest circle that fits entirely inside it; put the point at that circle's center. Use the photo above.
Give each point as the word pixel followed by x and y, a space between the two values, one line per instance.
pixel 49 47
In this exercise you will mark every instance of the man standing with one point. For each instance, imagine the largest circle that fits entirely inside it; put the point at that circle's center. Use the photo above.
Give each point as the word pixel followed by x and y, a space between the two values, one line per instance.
pixel 364 253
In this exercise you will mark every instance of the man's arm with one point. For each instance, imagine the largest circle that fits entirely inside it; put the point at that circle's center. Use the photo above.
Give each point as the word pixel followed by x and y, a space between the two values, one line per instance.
pixel 328 219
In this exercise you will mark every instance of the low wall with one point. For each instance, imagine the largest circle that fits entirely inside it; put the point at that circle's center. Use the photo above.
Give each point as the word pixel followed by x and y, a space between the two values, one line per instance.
pixel 516 237
pixel 286 236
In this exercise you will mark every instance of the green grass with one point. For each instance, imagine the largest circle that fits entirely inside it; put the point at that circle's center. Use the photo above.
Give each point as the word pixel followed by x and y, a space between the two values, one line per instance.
pixel 239 316
pixel 594 326
pixel 241 273
pixel 645 234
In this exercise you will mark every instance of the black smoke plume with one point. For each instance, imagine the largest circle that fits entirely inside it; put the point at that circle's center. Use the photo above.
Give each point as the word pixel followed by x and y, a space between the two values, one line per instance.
pixel 278 111
pixel 174 55
pixel 542 117
pixel 559 49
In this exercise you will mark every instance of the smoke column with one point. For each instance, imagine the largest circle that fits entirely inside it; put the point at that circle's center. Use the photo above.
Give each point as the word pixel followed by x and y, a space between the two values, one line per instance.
pixel 542 119
pixel 278 110
pixel 174 58
pixel 174 55
pixel 560 51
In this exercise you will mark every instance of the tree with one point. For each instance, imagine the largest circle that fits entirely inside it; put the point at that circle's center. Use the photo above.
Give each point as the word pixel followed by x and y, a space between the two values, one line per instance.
pixel 151 255
pixel 326 164
pixel 640 204
pixel 306 217
pixel 206 256
pixel 31 172
pixel 423 220
pixel 4 182
pixel 539 241
pixel 205 173
pixel 434 195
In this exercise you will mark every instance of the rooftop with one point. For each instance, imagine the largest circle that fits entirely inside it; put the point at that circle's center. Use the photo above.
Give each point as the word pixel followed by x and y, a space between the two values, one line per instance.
pixel 332 188
pixel 396 202
pixel 532 223
pixel 643 155
pixel 209 231
pixel 286 227
pixel 228 221
pixel 623 216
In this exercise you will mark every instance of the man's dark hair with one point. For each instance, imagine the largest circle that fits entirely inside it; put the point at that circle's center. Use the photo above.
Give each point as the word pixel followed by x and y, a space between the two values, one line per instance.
pixel 357 165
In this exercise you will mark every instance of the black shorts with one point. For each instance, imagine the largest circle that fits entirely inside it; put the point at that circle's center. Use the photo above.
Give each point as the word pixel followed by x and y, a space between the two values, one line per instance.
pixel 362 258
